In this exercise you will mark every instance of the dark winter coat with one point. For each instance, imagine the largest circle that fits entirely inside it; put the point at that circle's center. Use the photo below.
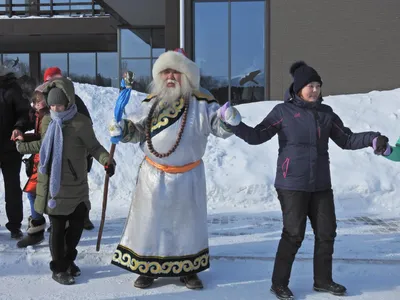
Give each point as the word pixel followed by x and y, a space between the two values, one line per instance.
pixel 78 140
pixel 303 130
pixel 14 112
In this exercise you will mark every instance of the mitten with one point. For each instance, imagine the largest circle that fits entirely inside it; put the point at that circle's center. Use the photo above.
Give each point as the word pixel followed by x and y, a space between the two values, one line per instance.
pixel 110 169
pixel 381 146
pixel 229 115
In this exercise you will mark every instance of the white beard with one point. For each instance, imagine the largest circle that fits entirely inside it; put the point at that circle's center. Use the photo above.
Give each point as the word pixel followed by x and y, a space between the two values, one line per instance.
pixel 169 94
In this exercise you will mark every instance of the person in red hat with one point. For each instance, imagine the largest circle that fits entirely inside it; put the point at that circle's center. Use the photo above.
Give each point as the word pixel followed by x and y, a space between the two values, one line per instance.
pixel 166 231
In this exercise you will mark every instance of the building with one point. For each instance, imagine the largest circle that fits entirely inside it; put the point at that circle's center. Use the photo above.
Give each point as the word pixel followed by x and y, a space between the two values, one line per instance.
pixel 244 48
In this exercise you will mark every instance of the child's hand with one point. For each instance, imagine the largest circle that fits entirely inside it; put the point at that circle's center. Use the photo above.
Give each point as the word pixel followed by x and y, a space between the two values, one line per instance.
pixel 15 134
pixel 20 138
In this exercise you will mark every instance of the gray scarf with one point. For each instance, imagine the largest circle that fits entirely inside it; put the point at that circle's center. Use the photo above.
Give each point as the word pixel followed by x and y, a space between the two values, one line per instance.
pixel 52 148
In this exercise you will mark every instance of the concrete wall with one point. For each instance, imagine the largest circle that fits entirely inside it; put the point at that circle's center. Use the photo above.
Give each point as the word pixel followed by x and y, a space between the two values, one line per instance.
pixel 140 12
pixel 354 45
pixel 58 35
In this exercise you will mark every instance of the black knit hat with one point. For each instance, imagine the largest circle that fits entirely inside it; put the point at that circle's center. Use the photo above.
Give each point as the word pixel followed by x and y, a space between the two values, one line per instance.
pixel 302 75
pixel 56 96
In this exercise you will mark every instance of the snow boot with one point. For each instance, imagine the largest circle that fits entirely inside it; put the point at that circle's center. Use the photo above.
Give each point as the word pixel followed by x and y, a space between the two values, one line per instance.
pixel 330 287
pixel 35 235
pixel 143 281
pixel 282 292
pixel 73 270
pixel 63 278
pixel 192 282
pixel 16 234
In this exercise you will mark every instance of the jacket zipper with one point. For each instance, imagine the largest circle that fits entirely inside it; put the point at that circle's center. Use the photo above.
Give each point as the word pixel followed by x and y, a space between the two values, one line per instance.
pixel 317 125
pixel 71 167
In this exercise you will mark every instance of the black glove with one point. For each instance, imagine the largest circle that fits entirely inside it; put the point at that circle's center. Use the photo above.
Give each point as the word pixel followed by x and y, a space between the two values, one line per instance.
pixel 381 144
pixel 110 169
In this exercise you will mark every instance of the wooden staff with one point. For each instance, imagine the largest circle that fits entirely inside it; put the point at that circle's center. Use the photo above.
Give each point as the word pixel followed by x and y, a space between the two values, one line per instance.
pixel 105 196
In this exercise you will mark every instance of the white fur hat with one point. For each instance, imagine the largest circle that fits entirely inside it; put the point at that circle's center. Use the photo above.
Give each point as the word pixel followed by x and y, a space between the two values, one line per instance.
pixel 178 61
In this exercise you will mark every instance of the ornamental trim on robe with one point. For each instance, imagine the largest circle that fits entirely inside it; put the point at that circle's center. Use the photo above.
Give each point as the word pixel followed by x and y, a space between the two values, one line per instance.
pixel 161 266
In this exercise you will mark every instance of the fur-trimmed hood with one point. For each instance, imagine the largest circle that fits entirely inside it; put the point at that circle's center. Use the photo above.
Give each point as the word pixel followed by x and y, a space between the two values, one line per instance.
pixel 62 83
pixel 179 62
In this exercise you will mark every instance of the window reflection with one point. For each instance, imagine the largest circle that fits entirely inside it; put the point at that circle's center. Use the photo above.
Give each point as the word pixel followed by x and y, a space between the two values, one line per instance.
pixel 247 51
pixel 82 67
pixel 242 68
pixel 211 30
pixel 18 61
pixel 135 43
pixel 107 69
pixel 141 68
pixel 54 60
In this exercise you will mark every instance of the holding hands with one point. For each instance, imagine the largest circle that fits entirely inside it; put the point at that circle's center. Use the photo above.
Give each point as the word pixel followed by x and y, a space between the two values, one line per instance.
pixel 229 114
pixel 381 146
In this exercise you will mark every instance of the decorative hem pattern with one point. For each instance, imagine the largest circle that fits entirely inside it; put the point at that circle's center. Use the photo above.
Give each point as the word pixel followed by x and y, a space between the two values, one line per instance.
pixel 168 266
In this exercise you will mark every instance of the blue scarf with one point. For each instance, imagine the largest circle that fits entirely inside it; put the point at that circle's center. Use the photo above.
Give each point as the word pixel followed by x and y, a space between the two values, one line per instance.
pixel 52 148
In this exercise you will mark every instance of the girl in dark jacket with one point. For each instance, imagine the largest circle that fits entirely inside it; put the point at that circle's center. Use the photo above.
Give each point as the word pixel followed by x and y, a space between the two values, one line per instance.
pixel 304 126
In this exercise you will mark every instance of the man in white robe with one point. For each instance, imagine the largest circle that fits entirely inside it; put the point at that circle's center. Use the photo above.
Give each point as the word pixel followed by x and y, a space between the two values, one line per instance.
pixel 166 231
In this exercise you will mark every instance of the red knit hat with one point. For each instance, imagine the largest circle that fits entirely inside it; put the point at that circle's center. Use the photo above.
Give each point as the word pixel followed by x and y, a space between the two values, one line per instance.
pixel 51 72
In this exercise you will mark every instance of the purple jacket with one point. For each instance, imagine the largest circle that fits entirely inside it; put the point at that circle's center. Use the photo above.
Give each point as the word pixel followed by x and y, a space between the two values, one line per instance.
pixel 303 130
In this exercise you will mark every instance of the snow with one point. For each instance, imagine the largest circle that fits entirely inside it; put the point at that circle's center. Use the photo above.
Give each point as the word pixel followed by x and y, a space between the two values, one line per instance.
pixel 244 215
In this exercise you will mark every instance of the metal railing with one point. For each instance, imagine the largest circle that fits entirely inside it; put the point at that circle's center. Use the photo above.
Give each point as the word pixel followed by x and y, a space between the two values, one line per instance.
pixel 49 8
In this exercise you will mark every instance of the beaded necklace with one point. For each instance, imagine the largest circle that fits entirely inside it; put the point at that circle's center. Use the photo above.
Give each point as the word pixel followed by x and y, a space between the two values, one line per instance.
pixel 180 133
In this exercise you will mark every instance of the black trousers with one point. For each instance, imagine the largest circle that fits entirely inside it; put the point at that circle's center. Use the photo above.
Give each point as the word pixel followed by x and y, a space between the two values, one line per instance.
pixel 296 207
pixel 10 164
pixel 63 241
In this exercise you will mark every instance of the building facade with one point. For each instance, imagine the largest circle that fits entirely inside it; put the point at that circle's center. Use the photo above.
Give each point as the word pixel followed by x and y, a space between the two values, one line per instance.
pixel 244 48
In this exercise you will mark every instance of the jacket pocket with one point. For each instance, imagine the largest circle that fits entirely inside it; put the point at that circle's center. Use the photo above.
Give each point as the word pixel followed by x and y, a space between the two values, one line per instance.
pixel 71 168
pixel 285 167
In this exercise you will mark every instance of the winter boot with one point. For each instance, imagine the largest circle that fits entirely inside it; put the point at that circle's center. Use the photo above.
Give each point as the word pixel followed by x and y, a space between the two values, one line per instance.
pixel 143 281
pixel 16 234
pixel 192 282
pixel 281 292
pixel 330 287
pixel 35 235
pixel 74 270
pixel 88 225
pixel 63 278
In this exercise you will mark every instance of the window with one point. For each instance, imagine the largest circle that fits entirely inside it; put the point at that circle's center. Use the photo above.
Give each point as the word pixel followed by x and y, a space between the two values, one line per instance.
pixel 247 51
pixel 19 62
pixel 54 60
pixel 211 47
pixel 82 67
pixel 229 47
pixel 107 69
pixel 138 50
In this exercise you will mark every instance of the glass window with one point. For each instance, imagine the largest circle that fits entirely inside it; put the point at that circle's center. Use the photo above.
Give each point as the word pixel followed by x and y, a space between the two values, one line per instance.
pixel 135 43
pixel 158 42
pixel 107 69
pixel 54 60
pixel 2 2
pixel 19 62
pixel 82 67
pixel 211 47
pixel 141 68
pixel 20 8
pixel 247 51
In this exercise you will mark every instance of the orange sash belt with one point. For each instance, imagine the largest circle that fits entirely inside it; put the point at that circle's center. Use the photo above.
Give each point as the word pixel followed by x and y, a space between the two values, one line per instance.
pixel 174 169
